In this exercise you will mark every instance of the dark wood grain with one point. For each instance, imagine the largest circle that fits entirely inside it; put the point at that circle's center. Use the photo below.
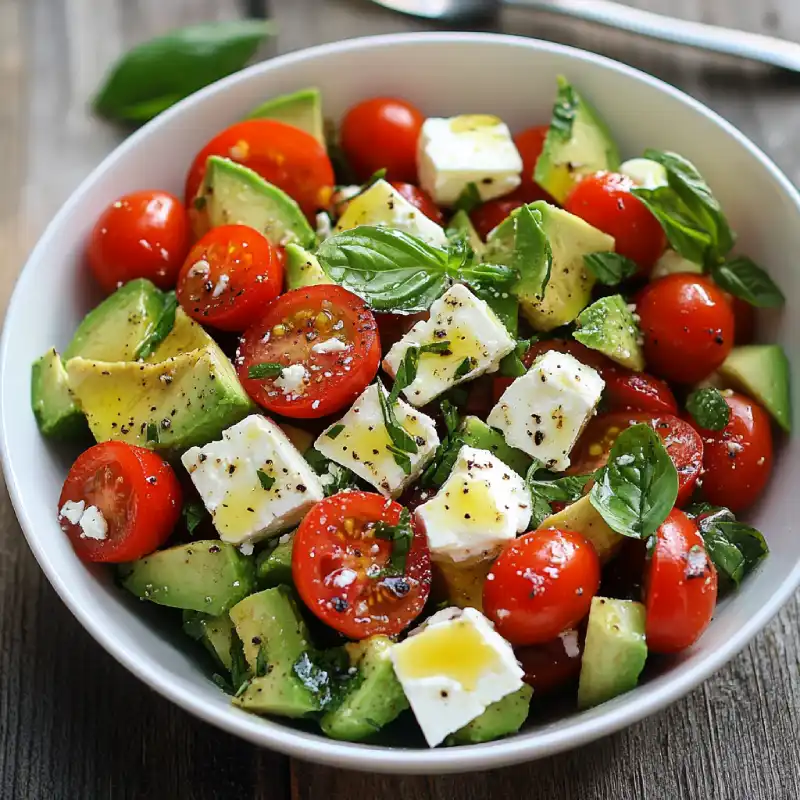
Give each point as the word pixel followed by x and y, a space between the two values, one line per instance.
pixel 74 724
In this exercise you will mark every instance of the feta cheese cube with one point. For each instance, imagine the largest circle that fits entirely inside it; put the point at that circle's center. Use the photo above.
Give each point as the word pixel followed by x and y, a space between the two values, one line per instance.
pixel 472 148
pixel 544 411
pixel 452 668
pixel 360 442
pixel 482 505
pixel 473 331
pixel 382 205
pixel 253 482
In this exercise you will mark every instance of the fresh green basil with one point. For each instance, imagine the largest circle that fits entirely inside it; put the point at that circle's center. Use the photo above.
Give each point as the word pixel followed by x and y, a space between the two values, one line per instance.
pixel 546 492
pixel 402 441
pixel 469 198
pixel 261 661
pixel 494 284
pixel 267 369
pixel 512 365
pixel 334 431
pixel 708 408
pixel 325 674
pixel 533 258
pixel 193 513
pixel 564 112
pixel 157 74
pixel 266 481
pixel 744 279
pixel 465 367
pixel 409 366
pixel 441 464
pixel 162 328
pixel 451 416
pixel 637 488
pixel 240 672
pixel 151 434
pixel 334 477
pixel 610 268
pixel 401 536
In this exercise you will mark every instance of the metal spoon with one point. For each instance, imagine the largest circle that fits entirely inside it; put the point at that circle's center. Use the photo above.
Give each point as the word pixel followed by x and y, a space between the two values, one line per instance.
pixel 755 46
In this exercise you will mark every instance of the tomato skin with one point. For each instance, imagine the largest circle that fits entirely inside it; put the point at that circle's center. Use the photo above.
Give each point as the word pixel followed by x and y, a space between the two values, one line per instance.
pixel 382 133
pixel 604 200
pixel 254 273
pixel 638 391
pixel 140 235
pixel 744 320
pixel 420 199
pixel 551 666
pixel 541 584
pixel 326 544
pixel 284 155
pixel 737 460
pixel 530 144
pixel 138 494
pixel 487 216
pixel 681 589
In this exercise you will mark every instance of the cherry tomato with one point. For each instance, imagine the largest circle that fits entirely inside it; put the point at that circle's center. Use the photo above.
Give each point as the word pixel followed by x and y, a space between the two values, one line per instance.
pixel 382 133
pixel 554 664
pixel 688 327
pixel 393 327
pixel 342 570
pixel 530 144
pixel 284 155
pixel 294 331
pixel 487 216
pixel 228 277
pixel 421 200
pixel 684 445
pixel 744 320
pixel 637 391
pixel 680 586
pixel 135 491
pixel 737 460
pixel 604 200
pixel 541 584
pixel 141 235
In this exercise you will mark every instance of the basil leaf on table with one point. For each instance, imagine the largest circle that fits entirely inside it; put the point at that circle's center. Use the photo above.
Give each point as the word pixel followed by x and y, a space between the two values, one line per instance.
pixel 609 268
pixel 157 74
pixel 709 409
pixel 744 279
pixel 637 488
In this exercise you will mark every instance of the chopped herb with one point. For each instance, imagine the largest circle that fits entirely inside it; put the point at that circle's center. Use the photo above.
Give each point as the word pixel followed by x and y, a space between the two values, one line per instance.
pixel 399 436
pixel 469 198
pixel 261 661
pixel 545 492
pixel 401 536
pixel 264 370
pixel 240 672
pixel 152 432
pixel 401 459
pixel 161 329
pixel 512 366
pixel 465 367
pixel 193 513
pixel 452 419
pixel 267 481
pixel 407 371
pixel 609 268
pixel 709 409
pixel 326 674
pixel 335 431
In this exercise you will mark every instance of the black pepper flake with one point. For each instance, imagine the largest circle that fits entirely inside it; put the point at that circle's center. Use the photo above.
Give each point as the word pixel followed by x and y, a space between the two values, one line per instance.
pixel 202 457
pixel 339 604
pixel 538 437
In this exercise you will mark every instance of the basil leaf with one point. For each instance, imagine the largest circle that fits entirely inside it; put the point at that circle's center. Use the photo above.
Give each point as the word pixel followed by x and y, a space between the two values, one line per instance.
pixel 335 431
pixel 564 112
pixel 401 536
pixel 399 436
pixel 494 284
pixel 743 278
pixel 333 477
pixel 151 434
pixel 512 365
pixel 401 458
pixel 240 672
pixel 637 488
pixel 267 369
pixel 266 481
pixel 193 513
pixel 324 674
pixel 465 367
pixel 157 74
pixel 262 665
pixel 441 465
pixel 469 198
pixel 162 328
pixel 544 493
pixel 709 409
pixel 533 257
pixel 610 269
pixel 451 416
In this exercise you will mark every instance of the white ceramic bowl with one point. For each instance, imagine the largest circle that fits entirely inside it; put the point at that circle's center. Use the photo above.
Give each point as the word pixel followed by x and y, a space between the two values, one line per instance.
pixel 444 74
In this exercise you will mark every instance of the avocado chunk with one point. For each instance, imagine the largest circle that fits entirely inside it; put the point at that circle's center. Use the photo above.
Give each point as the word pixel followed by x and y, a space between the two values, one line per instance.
pixel 615 650
pixel 119 326
pixel 583 518
pixel 303 268
pixel 462 224
pixel 502 718
pixel 608 326
pixel 232 194
pixel 270 620
pixel 214 632
pixel 302 109
pixel 578 143
pixel 207 575
pixel 57 413
pixel 476 433
pixel 460 583
pixel 184 401
pixel 374 696
pixel 762 372
pixel 274 567
pixel 186 335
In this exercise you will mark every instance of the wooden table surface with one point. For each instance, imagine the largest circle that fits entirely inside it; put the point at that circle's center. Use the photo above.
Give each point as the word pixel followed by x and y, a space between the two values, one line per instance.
pixel 74 724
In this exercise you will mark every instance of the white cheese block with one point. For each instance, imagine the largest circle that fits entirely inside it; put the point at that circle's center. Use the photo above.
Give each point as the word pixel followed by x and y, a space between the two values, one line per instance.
pixel 645 173
pixel 672 262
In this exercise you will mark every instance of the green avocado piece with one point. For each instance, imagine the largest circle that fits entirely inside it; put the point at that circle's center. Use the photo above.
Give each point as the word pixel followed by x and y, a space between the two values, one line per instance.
pixel 609 327
pixel 762 372
pixel 476 433
pixel 461 223
pixel 578 143
pixel 499 719
pixel 583 518
pixel 270 620
pixel 274 567
pixel 374 697
pixel 303 268
pixel 57 413
pixel 232 194
pixel 186 335
pixel 208 576
pixel 615 650
pixel 214 632
pixel 302 109
pixel 171 406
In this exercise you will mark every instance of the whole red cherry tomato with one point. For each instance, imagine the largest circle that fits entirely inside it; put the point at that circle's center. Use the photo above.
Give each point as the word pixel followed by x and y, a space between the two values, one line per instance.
pixel 551 666
pixel 530 144
pixel 637 391
pixel 421 200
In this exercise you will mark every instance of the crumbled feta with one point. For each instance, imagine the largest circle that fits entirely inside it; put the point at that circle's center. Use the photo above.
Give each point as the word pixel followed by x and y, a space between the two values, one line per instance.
pixel 93 524
pixel 330 346
pixel 72 511
pixel 292 379
pixel 222 285
pixel 324 227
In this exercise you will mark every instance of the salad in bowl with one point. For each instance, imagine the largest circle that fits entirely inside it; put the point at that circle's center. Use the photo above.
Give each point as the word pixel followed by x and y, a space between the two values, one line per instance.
pixel 421 416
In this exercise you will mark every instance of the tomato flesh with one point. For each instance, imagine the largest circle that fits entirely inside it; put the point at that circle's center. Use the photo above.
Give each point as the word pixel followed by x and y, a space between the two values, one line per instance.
pixel 553 665
pixel 530 144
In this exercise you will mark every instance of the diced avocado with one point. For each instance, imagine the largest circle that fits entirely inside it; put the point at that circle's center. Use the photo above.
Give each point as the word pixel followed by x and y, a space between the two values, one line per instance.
pixel 207 575
pixel 114 330
pixel 615 650
pixel 476 433
pixel 762 372
pixel 463 224
pixel 186 335
pixel 57 414
pixel 274 567
pixel 270 619
pixel 302 108
pixel 171 406
pixel 578 143
pixel 608 326
pixel 214 632
pixel 232 194
pixel 502 718
pixel 460 583
pixel 583 518
pixel 303 268
pixel 374 697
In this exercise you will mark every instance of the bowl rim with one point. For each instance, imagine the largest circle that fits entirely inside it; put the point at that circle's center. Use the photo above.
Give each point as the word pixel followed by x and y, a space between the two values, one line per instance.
pixel 569 733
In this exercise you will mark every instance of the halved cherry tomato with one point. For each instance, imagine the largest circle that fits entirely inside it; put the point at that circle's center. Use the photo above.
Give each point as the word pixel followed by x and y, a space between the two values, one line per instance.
pixel 342 570
pixel 421 200
pixel 140 235
pixel 541 584
pixel 637 391
pixel 680 586
pixel 228 277
pixel 135 491
pixel 688 327
pixel 604 200
pixel 382 133
pixel 284 155
pixel 737 460
pixel 554 664
pixel 530 144
pixel 684 445
pixel 326 330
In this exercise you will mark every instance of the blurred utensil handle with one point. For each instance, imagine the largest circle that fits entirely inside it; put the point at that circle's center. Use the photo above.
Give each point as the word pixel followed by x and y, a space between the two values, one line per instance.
pixel 755 46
